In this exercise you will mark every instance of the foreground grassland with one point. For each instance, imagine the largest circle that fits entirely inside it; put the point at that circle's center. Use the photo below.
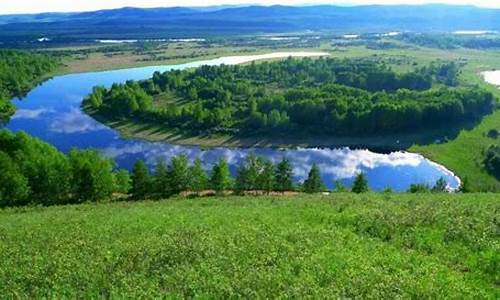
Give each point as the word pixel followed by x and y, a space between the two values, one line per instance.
pixel 344 245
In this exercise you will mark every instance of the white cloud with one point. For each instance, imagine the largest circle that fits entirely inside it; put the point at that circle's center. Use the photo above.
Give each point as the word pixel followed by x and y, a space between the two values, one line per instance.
pixel 74 122
pixel 31 113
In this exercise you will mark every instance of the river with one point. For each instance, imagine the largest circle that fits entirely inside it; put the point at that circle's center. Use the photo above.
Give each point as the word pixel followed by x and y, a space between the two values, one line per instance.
pixel 52 112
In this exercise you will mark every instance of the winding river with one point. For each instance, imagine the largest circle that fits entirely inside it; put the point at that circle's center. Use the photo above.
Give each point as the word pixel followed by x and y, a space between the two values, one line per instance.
pixel 52 112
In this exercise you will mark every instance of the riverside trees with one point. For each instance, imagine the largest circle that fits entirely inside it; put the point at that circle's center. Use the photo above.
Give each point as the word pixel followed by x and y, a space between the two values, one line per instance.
pixel 321 96
pixel 19 72
pixel 33 172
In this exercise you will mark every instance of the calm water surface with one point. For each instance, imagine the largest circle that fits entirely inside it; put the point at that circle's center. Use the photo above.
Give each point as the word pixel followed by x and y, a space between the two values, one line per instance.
pixel 52 112
pixel 492 77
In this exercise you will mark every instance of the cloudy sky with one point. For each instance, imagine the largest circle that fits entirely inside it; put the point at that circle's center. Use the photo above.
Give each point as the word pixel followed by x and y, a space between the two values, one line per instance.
pixel 32 6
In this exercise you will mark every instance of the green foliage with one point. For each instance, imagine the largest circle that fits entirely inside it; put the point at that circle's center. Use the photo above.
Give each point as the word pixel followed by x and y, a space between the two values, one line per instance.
pixel 14 189
pixel 320 96
pixel 492 161
pixel 419 188
pixel 266 178
pixel 161 180
pixel 440 186
pixel 178 173
pixel 19 72
pixel 92 177
pixel 284 175
pixel 141 180
pixel 493 133
pixel 52 177
pixel 339 187
pixel 122 182
pixel 313 183
pixel 360 184
pixel 198 179
pixel 220 179
pixel 365 246
pixel 465 186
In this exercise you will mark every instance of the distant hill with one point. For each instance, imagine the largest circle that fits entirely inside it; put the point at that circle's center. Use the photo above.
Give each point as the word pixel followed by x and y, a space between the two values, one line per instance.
pixel 132 22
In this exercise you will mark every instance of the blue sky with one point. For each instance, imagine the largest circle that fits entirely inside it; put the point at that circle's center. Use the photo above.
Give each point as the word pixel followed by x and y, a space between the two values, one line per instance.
pixel 33 6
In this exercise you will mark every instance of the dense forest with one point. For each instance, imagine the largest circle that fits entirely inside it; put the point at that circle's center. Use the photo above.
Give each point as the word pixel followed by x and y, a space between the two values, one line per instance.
pixel 296 96
pixel 451 41
pixel 19 72
pixel 34 172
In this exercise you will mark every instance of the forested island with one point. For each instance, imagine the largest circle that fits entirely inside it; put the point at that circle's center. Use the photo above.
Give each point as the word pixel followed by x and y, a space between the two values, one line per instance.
pixel 19 72
pixel 296 97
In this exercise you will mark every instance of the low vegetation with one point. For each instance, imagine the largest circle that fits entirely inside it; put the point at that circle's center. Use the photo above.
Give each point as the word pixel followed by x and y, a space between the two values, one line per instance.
pixel 343 245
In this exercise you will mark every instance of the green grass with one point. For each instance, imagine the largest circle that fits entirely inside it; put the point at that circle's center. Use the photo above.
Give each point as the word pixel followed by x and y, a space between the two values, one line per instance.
pixel 344 245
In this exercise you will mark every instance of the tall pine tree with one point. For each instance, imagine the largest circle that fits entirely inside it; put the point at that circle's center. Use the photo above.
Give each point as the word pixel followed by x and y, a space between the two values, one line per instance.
pixel 360 184
pixel 141 180
pixel 198 180
pixel 221 177
pixel 283 175
pixel 313 183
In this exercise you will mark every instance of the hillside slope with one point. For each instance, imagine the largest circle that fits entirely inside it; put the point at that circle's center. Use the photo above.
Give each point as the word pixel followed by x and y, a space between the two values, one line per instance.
pixel 344 245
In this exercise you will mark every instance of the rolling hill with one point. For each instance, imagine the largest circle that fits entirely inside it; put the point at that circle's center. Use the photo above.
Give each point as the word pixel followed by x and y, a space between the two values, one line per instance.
pixel 171 22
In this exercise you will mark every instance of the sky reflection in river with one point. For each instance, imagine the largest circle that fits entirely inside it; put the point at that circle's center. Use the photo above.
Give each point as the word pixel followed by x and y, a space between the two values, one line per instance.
pixel 52 112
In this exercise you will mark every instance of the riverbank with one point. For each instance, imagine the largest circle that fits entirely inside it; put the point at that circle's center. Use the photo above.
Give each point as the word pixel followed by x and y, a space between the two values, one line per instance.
pixel 97 62
pixel 132 129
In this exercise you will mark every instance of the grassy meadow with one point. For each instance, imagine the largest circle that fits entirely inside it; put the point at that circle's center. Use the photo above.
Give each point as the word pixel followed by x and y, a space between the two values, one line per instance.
pixel 342 245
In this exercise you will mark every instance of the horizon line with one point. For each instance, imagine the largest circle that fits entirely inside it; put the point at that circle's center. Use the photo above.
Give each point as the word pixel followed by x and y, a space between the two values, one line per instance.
pixel 229 6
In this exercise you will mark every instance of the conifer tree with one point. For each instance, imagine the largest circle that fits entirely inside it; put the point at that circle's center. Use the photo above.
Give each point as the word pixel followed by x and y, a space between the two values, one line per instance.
pixel 283 176
pixel 360 184
pixel 141 180
pixel 161 180
pixel 313 183
pixel 221 177
pixel 198 180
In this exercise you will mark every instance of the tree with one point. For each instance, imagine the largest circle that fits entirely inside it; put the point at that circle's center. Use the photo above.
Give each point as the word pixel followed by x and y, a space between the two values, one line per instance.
pixel 419 188
pixel 221 177
pixel 465 186
pixel 313 183
pixel 339 187
pixel 283 176
pixel 92 175
pixel 266 179
pixel 14 189
pixel 122 182
pixel 242 182
pixel 178 172
pixel 360 184
pixel 198 180
pixel 441 186
pixel 248 177
pixel 141 180
pixel 161 180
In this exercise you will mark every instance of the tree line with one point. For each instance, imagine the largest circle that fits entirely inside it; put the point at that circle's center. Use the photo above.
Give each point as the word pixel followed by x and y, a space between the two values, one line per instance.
pixel 19 72
pixel 321 96
pixel 34 172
